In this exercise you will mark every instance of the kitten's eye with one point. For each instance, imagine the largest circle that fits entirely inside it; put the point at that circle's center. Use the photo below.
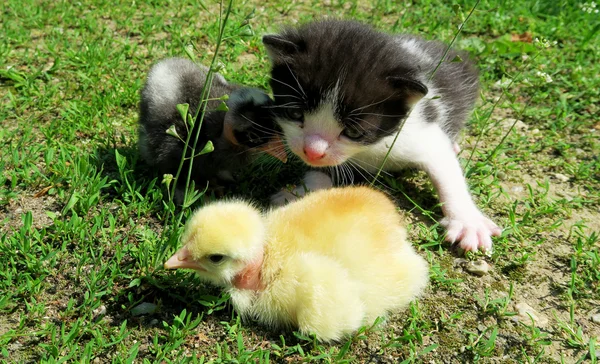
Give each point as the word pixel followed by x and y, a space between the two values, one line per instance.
pixel 294 114
pixel 353 132
pixel 216 258
pixel 253 138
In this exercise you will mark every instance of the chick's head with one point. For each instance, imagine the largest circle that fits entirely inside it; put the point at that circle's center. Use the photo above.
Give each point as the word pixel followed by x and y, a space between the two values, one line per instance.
pixel 220 241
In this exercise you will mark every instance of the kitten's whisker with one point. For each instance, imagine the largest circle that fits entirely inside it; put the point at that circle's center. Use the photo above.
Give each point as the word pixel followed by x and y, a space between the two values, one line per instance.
pixel 261 148
pixel 340 167
pixel 290 86
pixel 363 128
pixel 292 96
pixel 298 82
pixel 334 176
pixel 385 115
pixel 358 169
pixel 373 104
pixel 349 174
pixel 269 163
pixel 368 123
pixel 370 165
pixel 290 105
pixel 340 172
pixel 263 128
pixel 277 149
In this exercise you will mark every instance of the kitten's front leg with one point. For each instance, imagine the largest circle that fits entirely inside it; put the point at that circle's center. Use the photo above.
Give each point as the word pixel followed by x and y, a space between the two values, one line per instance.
pixel 464 222
pixel 312 181
pixel 462 219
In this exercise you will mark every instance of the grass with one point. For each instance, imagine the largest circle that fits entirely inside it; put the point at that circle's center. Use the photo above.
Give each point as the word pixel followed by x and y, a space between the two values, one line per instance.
pixel 84 225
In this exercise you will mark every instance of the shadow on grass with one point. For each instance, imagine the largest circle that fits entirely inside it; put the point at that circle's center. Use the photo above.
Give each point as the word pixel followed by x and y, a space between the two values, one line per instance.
pixel 261 179
pixel 411 192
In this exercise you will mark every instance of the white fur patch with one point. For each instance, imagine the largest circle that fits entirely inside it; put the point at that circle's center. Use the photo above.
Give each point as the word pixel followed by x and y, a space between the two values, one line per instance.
pixel 323 122
pixel 163 83
pixel 413 48
pixel 312 181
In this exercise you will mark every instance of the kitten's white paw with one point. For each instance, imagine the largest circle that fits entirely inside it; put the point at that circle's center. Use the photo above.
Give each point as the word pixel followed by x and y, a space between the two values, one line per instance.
pixel 312 181
pixel 471 230
pixel 282 197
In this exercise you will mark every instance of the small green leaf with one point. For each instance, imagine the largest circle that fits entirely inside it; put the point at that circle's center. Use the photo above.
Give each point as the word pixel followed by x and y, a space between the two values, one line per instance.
pixel 202 5
pixel 218 66
pixel 246 32
pixel 429 349
pixel 173 132
pixel 209 147
pixel 189 50
pixel 224 97
pixel 121 161
pixel 591 34
pixel 457 59
pixel 135 283
pixel 72 201
pixel 133 353
pixel 27 220
pixel 222 106
pixel 183 111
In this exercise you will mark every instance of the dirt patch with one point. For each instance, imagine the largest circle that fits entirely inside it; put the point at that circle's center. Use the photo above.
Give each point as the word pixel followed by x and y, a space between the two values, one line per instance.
pixel 12 214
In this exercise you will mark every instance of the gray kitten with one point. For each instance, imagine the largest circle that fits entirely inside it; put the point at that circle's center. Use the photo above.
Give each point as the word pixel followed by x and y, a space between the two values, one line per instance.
pixel 341 91
pixel 248 125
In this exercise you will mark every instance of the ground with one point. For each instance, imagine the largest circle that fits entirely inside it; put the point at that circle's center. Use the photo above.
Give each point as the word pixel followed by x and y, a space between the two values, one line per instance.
pixel 84 230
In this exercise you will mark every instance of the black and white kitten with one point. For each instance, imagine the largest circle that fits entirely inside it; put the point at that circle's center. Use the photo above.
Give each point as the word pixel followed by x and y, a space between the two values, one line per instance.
pixel 247 126
pixel 342 89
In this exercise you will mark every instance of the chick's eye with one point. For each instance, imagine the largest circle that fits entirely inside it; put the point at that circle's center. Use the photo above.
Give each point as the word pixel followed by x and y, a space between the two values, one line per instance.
pixel 353 132
pixel 216 258
pixel 295 114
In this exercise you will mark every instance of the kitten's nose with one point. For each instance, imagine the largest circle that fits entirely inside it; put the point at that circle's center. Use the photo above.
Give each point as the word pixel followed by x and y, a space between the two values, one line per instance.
pixel 315 147
pixel 313 155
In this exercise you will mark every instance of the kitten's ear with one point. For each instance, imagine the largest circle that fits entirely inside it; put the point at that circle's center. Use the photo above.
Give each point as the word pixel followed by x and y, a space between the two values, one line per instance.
pixel 279 47
pixel 415 90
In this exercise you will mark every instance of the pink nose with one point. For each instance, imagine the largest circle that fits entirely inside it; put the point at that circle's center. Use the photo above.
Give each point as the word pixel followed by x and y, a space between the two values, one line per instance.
pixel 313 155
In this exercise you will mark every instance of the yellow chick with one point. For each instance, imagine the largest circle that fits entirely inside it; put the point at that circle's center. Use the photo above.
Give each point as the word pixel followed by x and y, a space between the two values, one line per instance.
pixel 326 264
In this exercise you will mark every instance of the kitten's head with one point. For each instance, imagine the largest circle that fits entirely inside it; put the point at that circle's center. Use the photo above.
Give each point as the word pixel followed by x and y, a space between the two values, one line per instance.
pixel 250 123
pixel 339 87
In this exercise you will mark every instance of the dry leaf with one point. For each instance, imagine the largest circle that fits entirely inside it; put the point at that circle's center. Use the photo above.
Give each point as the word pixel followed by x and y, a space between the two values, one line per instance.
pixel 525 37
pixel 43 192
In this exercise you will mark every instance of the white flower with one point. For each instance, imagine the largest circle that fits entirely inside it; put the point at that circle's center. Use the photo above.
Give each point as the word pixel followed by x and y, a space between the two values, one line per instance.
pixel 589 7
pixel 544 43
pixel 544 76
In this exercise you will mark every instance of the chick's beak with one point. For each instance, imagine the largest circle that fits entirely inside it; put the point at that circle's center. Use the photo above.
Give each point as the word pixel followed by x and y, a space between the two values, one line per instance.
pixel 183 259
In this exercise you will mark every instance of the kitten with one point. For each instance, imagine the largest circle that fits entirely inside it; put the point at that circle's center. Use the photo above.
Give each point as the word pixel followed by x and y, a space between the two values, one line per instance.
pixel 247 126
pixel 342 89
